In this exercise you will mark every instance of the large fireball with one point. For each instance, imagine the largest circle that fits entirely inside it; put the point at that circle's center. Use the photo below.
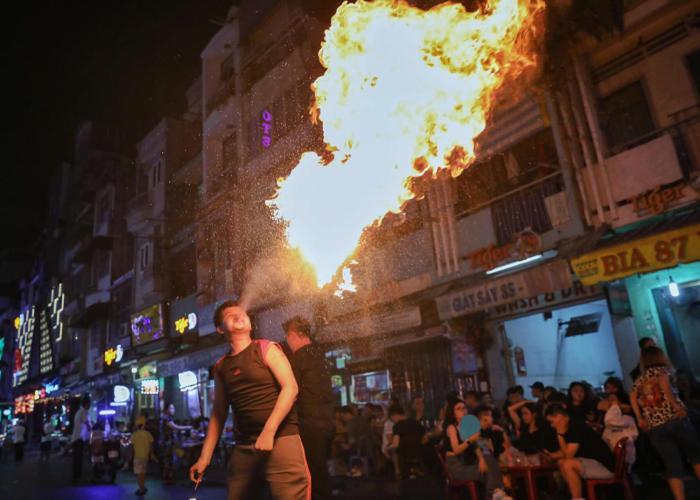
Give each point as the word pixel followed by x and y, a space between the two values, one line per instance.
pixel 405 91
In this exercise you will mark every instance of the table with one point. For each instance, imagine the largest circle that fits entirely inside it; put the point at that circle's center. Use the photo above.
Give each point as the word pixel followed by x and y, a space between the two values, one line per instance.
pixel 529 473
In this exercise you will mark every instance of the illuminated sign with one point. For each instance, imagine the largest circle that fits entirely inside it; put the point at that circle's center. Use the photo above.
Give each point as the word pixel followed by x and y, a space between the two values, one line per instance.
pixel 147 370
pixel 56 303
pixel 114 355
pixel 25 335
pixel 150 386
pixel 18 322
pixel 266 129
pixel 39 394
pixel 186 323
pixel 147 325
pixel 45 346
pixel 122 394
pixel 51 387
pixel 655 252
pixel 187 380
pixel 527 243
pixel 24 404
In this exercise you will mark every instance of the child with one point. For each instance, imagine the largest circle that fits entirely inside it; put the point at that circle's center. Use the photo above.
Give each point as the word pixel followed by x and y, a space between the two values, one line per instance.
pixel 142 441
pixel 493 442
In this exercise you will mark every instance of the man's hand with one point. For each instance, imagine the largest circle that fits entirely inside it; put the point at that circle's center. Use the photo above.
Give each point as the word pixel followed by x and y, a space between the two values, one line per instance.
pixel 265 441
pixel 197 471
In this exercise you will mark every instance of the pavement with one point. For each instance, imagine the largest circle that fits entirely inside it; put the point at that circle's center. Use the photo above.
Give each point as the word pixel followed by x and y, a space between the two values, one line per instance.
pixel 34 480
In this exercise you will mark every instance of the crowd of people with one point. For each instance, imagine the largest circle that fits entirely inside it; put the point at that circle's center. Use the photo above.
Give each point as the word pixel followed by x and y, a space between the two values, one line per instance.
pixel 577 429
pixel 288 436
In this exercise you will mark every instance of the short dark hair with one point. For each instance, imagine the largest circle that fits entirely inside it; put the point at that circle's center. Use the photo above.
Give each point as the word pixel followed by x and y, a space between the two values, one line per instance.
pixel 483 409
pixel 85 401
pixel 556 409
pixel 395 410
pixel 516 389
pixel 298 324
pixel 219 312
pixel 472 394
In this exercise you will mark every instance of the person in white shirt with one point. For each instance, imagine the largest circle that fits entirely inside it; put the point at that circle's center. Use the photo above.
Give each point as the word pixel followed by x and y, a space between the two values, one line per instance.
pixel 18 439
pixel 81 433
pixel 46 440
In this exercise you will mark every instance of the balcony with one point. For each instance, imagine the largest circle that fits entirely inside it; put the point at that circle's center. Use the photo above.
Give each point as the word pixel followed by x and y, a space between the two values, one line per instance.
pixel 84 248
pixel 191 172
pixel 652 162
pixel 220 97
pixel 140 209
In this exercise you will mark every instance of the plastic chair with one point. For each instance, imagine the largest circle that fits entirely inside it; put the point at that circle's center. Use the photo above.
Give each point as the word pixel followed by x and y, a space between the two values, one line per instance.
pixel 453 486
pixel 620 476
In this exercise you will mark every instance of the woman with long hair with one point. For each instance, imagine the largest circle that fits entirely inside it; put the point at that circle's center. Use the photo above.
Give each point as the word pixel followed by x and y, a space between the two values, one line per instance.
pixel 660 411
pixel 531 430
pixel 580 404
pixel 615 395
pixel 463 456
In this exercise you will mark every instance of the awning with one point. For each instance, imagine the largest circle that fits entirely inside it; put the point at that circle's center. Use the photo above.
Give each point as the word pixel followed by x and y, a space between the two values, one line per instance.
pixel 665 243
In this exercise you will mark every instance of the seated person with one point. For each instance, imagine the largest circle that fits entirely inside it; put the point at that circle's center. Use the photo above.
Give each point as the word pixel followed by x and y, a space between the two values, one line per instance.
pixel 464 458
pixel 532 432
pixel 619 425
pixel 582 452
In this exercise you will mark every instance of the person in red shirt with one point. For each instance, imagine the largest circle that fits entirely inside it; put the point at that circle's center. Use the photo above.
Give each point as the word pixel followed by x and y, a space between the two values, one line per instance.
pixel 257 381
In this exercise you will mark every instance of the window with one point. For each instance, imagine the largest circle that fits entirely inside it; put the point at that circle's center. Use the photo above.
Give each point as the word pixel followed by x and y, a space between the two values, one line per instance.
pixel 143 257
pixel 693 60
pixel 625 116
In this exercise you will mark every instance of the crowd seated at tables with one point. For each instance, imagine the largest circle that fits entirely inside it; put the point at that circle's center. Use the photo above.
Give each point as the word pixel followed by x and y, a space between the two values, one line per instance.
pixel 572 434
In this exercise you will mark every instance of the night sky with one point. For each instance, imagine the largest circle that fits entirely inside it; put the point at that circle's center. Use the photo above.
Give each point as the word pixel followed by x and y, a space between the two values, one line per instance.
pixel 119 62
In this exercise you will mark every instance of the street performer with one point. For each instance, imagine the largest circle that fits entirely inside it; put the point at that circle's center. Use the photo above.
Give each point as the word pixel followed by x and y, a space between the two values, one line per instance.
pixel 257 381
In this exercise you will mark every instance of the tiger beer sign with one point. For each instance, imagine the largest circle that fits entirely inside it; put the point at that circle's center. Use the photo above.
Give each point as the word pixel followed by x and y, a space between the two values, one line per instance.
pixel 639 256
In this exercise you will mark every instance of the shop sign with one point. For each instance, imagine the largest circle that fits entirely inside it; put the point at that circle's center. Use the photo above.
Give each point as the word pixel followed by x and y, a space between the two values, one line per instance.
pixel 658 200
pixel 547 300
pixel 373 324
pixel 187 380
pixel 45 345
pixel 526 244
pixel 640 256
pixel 266 128
pixel 541 279
pixel 150 386
pixel 122 394
pixel 114 355
pixel 183 314
pixel 51 387
pixel 24 404
pixel 147 325
pixel 148 370
pixel 25 335
pixel 57 300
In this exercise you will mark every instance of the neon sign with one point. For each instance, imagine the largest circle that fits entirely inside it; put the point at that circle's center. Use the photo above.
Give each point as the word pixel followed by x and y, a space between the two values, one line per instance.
pixel 267 129
pixel 187 380
pixel 186 323
pixel 150 386
pixel 56 303
pixel 121 394
pixel 25 335
pixel 114 355
pixel 45 347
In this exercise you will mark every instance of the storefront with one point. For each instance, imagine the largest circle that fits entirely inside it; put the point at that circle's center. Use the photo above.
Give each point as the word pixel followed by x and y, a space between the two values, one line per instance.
pixel 468 312
pixel 187 382
pixel 657 266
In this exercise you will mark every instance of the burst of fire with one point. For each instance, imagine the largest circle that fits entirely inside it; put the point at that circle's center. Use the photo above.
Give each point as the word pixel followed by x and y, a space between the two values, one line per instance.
pixel 405 92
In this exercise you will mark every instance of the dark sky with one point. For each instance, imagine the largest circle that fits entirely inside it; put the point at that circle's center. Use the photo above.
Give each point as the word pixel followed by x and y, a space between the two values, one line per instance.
pixel 126 62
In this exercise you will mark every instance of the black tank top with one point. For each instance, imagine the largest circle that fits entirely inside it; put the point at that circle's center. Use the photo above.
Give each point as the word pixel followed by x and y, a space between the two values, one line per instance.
pixel 252 392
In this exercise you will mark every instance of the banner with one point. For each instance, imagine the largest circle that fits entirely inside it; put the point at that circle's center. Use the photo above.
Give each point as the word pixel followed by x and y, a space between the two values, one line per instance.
pixel 541 279
pixel 644 255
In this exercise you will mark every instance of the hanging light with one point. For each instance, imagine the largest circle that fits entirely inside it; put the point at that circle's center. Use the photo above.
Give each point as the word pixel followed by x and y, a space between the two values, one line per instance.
pixel 673 288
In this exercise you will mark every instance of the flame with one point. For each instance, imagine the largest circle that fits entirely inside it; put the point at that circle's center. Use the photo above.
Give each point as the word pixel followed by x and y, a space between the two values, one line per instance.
pixel 405 92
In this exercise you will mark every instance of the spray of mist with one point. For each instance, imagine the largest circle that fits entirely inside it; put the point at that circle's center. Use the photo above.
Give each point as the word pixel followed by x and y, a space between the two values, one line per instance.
pixel 282 276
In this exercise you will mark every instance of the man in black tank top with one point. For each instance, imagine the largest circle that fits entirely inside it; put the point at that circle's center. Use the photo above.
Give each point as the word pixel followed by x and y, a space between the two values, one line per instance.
pixel 256 380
